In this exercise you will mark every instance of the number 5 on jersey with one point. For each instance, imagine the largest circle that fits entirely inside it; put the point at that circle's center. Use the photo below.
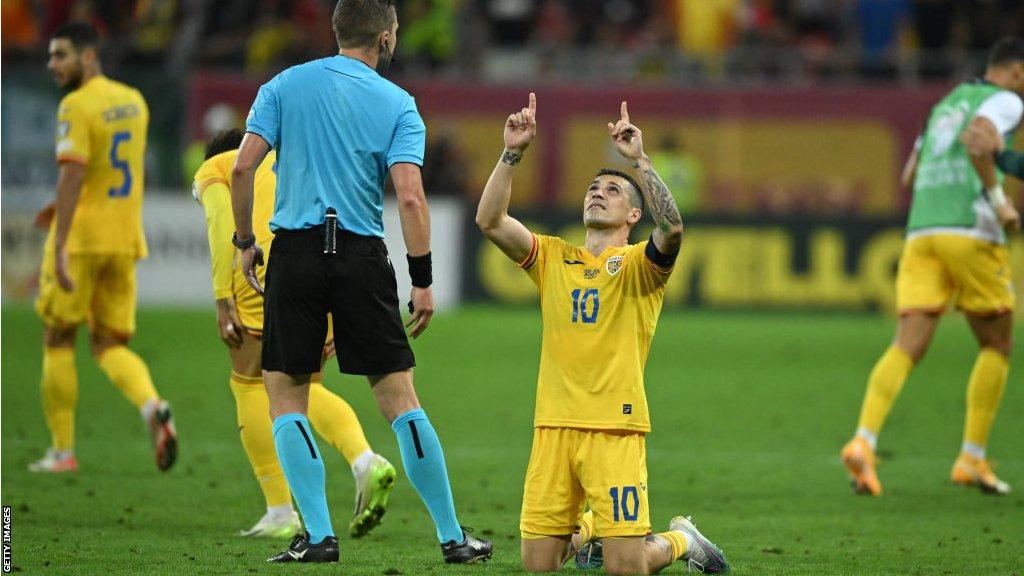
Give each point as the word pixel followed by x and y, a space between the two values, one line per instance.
pixel 585 305
pixel 119 164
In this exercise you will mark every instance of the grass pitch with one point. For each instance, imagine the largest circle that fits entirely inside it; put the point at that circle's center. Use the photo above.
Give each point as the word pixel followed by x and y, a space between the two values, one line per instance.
pixel 749 414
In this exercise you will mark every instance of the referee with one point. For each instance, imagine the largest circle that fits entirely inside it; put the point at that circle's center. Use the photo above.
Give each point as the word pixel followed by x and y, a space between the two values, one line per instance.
pixel 339 128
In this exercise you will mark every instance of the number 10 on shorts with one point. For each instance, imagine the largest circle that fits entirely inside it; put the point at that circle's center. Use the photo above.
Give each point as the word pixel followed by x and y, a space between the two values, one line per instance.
pixel 630 503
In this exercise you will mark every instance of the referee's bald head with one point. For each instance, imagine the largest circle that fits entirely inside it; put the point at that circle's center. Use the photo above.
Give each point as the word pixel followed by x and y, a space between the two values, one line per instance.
pixel 358 23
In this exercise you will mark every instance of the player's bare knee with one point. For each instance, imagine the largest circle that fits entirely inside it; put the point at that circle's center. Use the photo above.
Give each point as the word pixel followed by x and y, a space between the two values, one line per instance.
pixel 913 344
pixel 59 337
pixel 247 360
pixel 1002 345
pixel 533 563
pixel 615 565
pixel 102 340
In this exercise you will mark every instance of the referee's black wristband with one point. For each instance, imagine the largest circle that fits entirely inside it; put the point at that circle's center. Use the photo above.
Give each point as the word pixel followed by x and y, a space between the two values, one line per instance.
pixel 420 270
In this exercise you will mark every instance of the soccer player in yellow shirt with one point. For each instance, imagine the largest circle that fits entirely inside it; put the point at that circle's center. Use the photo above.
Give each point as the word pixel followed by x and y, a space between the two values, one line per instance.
pixel 95 238
pixel 600 304
pixel 240 317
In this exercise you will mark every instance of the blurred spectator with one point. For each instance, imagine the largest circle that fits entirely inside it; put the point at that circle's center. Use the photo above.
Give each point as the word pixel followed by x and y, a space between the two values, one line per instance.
pixel 154 28
pixel 270 42
pixel 705 26
pixel 511 22
pixel 428 31
pixel 682 172
pixel 933 24
pixel 20 25
pixel 879 24
pixel 677 40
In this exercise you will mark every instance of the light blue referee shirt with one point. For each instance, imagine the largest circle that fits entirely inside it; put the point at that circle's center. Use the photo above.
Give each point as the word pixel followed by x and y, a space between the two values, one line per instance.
pixel 337 127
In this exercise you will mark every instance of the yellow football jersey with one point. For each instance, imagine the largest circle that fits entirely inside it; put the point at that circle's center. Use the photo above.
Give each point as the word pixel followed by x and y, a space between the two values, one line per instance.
pixel 599 315
pixel 218 169
pixel 102 125
pixel 228 277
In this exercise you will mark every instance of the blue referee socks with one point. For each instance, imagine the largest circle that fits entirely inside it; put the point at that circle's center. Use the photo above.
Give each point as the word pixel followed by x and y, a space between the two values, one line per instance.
pixel 424 465
pixel 304 470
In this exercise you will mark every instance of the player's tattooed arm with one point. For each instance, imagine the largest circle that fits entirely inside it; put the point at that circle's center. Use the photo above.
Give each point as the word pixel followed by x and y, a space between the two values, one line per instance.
pixel 511 157
pixel 668 232
pixel 628 139
pixel 492 216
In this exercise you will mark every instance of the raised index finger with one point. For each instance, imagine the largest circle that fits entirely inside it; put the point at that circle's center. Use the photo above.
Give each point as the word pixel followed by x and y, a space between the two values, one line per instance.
pixel 623 112
pixel 533 103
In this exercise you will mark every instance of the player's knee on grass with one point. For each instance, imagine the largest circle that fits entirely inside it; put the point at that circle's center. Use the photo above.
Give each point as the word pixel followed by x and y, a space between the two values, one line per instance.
pixel 624 555
pixel 543 553
pixel 59 337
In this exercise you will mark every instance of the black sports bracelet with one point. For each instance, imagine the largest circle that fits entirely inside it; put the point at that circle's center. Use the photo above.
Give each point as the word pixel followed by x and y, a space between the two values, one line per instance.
pixel 243 244
pixel 420 270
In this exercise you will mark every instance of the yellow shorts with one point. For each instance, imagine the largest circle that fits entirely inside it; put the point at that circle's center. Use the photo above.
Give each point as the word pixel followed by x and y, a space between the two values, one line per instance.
pixel 935 269
pixel 571 467
pixel 104 294
pixel 248 303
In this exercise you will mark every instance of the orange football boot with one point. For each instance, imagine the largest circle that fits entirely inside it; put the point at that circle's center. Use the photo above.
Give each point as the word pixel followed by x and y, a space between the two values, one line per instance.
pixel 55 462
pixel 971 471
pixel 859 460
pixel 164 435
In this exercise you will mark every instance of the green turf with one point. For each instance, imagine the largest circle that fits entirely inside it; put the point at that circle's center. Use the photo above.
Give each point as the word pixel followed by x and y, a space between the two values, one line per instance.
pixel 749 414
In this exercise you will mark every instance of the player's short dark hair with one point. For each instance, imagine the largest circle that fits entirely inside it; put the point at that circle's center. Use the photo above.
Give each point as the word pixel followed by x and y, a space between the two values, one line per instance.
pixel 358 22
pixel 223 141
pixel 81 34
pixel 636 197
pixel 1007 50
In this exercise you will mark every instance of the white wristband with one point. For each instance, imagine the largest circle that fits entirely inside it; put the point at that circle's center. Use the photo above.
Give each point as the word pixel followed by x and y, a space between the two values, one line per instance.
pixel 996 196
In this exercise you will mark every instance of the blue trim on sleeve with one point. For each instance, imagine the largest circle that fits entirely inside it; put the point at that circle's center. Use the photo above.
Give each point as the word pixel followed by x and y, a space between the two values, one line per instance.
pixel 657 257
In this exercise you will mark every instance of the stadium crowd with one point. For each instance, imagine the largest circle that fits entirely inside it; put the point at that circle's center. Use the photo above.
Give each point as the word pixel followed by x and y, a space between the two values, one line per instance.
pixel 657 39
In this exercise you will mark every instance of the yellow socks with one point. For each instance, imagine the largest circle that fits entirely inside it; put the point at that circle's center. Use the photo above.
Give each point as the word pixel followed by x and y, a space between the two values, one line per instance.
pixel 884 386
pixel 586 526
pixel 129 373
pixel 678 542
pixel 60 395
pixel 984 392
pixel 254 428
pixel 331 416
pixel 335 420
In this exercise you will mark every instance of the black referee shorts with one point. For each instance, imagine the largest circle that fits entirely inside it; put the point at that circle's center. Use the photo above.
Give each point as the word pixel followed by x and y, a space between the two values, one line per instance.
pixel 356 285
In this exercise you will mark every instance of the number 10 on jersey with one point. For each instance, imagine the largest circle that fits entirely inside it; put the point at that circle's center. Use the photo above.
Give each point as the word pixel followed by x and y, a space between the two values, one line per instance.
pixel 585 305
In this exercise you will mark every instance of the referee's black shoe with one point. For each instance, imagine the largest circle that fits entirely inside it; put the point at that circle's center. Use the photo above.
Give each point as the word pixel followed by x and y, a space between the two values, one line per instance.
pixel 302 551
pixel 470 551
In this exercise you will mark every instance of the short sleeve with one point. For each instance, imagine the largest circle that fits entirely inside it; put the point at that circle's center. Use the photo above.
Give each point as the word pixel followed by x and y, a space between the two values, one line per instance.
pixel 211 172
pixel 265 115
pixel 651 268
pixel 72 133
pixel 1004 109
pixel 409 139
pixel 537 260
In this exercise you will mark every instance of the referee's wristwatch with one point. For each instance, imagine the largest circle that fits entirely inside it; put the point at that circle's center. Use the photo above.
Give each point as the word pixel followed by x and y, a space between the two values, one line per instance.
pixel 243 244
